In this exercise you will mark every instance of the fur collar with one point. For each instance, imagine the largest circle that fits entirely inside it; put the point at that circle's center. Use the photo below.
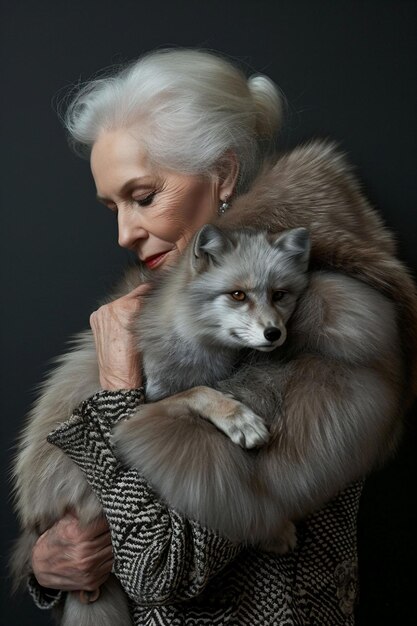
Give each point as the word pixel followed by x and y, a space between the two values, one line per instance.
pixel 314 186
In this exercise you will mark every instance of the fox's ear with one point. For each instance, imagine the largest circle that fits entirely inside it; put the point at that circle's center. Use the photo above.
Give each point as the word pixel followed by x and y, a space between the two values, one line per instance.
pixel 295 242
pixel 208 245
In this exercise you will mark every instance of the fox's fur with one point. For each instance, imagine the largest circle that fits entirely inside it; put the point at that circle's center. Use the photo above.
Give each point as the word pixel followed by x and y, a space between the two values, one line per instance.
pixel 333 405
pixel 329 394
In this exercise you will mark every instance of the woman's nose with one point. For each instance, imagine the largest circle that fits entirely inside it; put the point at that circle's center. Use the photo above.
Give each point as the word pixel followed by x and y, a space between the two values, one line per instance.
pixel 130 229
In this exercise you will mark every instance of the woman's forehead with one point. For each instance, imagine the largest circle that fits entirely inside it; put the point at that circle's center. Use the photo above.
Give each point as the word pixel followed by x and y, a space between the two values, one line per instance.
pixel 118 157
pixel 120 145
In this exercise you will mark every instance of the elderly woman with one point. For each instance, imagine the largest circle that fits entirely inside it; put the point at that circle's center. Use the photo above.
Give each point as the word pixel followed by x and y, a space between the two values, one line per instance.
pixel 175 140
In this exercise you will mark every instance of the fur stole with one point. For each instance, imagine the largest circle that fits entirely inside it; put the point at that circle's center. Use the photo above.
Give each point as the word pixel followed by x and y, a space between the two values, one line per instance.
pixel 314 186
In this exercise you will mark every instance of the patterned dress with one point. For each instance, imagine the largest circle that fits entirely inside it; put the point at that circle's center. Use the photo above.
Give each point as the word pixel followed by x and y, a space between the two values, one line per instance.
pixel 176 572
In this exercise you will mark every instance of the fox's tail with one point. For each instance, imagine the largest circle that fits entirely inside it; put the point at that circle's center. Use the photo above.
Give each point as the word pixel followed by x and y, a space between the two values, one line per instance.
pixel 200 471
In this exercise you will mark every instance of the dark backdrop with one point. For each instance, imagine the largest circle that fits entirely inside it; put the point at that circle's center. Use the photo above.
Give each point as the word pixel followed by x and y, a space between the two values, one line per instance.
pixel 348 69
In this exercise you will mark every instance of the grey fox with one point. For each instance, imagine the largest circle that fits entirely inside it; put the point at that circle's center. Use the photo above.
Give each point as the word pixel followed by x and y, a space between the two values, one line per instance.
pixel 214 322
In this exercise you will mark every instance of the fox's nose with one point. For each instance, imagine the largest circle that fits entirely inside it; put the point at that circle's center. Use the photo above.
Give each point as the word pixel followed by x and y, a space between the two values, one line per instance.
pixel 272 333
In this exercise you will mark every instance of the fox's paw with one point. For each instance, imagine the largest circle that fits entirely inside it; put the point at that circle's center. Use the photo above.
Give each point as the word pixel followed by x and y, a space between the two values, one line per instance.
pixel 245 428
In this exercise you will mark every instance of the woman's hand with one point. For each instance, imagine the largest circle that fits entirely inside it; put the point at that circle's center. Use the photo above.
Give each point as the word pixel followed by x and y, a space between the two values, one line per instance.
pixel 71 558
pixel 117 356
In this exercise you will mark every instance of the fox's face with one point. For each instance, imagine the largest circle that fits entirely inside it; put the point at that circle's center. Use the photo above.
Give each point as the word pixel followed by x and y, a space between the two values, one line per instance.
pixel 255 317
pixel 245 285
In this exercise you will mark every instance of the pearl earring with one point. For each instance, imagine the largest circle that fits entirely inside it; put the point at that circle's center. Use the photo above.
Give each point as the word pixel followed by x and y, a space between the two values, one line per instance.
pixel 224 206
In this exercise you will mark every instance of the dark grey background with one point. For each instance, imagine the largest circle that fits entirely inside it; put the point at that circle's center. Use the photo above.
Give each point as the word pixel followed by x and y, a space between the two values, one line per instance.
pixel 348 69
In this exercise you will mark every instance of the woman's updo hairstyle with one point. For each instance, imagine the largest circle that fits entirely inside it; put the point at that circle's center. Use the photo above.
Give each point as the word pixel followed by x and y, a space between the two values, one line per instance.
pixel 188 107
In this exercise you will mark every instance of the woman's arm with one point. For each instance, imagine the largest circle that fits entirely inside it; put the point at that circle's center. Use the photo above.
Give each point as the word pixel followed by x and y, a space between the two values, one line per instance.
pixel 159 556
pixel 72 554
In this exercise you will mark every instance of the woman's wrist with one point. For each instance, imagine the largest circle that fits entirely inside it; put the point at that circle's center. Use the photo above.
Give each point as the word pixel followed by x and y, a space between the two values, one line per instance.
pixel 121 367
pixel 112 382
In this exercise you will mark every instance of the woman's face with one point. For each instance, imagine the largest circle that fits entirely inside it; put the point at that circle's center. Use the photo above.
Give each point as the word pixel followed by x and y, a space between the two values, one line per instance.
pixel 158 211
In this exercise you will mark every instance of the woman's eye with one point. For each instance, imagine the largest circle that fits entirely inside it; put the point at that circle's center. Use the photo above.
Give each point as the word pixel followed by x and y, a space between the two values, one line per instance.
pixel 278 295
pixel 240 296
pixel 147 200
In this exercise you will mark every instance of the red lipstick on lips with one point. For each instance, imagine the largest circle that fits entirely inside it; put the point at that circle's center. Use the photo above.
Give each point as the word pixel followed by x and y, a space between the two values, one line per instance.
pixel 156 259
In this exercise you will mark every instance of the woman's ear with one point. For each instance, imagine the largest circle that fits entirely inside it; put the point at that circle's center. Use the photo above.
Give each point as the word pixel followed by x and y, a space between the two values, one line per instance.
pixel 227 172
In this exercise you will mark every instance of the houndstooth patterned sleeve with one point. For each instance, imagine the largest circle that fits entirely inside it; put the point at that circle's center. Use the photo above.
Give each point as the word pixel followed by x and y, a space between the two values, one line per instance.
pixel 159 556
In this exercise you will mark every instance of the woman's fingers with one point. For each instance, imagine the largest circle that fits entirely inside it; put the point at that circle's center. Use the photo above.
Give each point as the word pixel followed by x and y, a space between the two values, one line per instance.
pixel 105 556
pixel 96 544
pixel 113 326
pixel 122 309
pixel 140 291
pixel 68 556
pixel 75 582
pixel 85 577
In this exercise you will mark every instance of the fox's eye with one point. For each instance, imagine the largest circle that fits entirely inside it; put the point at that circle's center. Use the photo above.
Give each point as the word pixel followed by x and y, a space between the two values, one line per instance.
pixel 238 295
pixel 278 295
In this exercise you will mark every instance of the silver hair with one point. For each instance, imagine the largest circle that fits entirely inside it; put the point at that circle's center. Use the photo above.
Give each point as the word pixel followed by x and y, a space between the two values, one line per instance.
pixel 189 107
